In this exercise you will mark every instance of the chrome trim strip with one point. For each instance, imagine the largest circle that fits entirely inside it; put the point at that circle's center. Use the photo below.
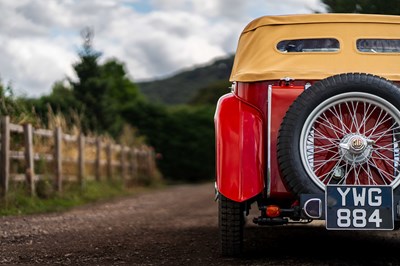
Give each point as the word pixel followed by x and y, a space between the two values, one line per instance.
pixel 319 208
pixel 216 197
pixel 269 141
pixel 233 87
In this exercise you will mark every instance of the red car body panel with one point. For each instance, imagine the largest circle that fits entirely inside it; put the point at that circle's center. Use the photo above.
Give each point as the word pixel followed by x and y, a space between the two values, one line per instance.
pixel 239 149
pixel 242 122
pixel 281 97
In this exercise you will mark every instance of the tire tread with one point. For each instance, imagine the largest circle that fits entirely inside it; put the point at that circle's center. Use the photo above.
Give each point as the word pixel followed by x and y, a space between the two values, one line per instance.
pixel 231 223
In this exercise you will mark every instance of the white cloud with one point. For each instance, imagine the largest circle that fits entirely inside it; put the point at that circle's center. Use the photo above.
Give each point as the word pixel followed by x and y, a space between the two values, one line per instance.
pixel 34 64
pixel 39 39
pixel 293 7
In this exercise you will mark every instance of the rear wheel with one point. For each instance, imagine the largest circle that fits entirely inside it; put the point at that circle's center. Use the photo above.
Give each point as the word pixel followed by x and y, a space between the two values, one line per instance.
pixel 231 225
pixel 343 130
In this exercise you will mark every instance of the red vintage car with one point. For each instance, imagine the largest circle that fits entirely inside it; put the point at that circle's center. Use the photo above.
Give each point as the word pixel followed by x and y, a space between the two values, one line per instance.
pixel 311 127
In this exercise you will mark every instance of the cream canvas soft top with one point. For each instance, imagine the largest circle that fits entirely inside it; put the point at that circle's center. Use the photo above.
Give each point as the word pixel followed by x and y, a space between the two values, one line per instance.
pixel 258 57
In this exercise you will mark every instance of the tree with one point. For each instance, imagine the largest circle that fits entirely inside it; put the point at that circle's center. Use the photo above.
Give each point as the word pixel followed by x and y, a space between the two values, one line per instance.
pixel 211 93
pixel 184 135
pixel 102 90
pixel 191 150
pixel 120 94
pixel 60 101
pixel 14 107
pixel 89 89
pixel 107 100
pixel 391 7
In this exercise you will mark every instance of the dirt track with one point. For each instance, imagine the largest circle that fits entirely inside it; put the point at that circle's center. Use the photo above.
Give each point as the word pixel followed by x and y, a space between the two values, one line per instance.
pixel 178 226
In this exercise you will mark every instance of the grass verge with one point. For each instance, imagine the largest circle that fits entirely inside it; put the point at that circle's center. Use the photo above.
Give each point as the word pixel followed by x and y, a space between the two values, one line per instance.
pixel 19 202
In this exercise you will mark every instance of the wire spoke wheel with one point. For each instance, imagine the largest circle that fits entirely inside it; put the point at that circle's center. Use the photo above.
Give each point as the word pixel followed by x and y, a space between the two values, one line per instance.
pixel 343 130
pixel 352 139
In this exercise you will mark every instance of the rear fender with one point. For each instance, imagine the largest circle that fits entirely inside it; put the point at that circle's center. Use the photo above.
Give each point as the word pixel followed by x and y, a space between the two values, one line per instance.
pixel 239 149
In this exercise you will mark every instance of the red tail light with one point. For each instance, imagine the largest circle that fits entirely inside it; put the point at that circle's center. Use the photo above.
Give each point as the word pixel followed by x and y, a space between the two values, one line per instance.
pixel 273 211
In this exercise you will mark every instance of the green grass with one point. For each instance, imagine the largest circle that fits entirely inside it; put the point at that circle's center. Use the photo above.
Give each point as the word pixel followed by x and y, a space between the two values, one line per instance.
pixel 19 202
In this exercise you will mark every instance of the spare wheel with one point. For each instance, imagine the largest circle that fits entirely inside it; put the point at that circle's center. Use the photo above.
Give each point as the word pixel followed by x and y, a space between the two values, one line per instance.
pixel 344 129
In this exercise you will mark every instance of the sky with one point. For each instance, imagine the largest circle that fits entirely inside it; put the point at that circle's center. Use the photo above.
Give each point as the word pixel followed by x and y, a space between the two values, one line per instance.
pixel 40 39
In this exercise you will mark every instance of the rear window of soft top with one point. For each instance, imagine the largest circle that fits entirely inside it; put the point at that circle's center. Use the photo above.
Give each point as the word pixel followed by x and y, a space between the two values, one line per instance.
pixel 378 45
pixel 308 45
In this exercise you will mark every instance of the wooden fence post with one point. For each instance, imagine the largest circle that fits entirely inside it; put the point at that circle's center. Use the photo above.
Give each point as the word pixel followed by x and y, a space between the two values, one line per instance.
pixel 5 155
pixel 123 162
pixel 148 162
pixel 81 158
pixel 109 161
pixel 134 169
pixel 29 158
pixel 152 158
pixel 58 159
pixel 98 159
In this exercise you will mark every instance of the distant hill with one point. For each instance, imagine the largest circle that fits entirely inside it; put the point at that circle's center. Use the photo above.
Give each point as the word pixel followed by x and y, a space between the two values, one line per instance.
pixel 184 86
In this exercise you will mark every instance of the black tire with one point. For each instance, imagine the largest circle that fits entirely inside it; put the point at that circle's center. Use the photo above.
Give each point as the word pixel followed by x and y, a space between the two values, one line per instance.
pixel 396 225
pixel 231 226
pixel 306 117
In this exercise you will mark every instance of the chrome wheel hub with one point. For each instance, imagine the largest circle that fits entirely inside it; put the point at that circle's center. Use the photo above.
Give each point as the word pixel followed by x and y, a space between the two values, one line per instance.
pixel 355 149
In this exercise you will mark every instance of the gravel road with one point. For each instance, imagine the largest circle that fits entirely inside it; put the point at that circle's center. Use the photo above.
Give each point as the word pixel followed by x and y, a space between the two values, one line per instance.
pixel 178 226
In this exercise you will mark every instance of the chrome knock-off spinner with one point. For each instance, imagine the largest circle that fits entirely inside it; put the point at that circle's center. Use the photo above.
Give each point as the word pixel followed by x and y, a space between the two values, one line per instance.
pixel 355 149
